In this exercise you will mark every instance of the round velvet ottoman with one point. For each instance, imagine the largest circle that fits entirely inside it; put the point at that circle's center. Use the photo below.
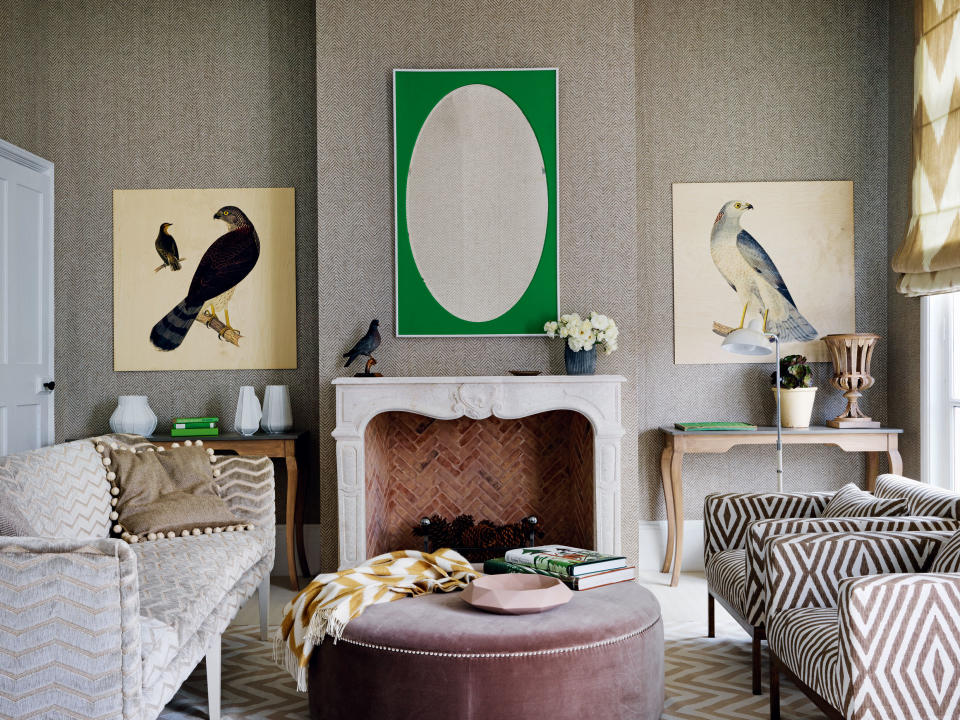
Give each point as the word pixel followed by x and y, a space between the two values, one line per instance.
pixel 434 656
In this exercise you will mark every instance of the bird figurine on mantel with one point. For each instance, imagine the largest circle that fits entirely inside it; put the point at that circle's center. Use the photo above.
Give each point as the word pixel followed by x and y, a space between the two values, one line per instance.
pixel 365 346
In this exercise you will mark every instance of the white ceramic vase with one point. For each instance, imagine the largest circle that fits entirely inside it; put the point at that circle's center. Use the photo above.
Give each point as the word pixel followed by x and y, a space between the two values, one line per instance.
pixel 246 421
pixel 133 416
pixel 796 406
pixel 277 415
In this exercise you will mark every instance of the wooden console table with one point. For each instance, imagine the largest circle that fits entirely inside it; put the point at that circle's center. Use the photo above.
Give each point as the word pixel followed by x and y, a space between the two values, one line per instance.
pixel 285 446
pixel 676 443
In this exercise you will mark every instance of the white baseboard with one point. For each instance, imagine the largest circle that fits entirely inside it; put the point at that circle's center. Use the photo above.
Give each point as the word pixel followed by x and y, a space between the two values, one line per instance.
pixel 311 539
pixel 653 541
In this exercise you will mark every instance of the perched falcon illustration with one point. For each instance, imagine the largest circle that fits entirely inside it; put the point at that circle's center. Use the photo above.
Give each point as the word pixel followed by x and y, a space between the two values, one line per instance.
pixel 226 262
pixel 748 269
pixel 167 248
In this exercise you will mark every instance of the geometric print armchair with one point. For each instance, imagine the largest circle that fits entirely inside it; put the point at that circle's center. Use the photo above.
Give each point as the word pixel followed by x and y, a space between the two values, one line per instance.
pixel 738 527
pixel 95 627
pixel 855 622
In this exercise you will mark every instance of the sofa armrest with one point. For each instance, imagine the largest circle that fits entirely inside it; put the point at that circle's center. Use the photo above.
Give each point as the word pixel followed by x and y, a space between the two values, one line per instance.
pixel 726 516
pixel 247 486
pixel 806 570
pixel 894 631
pixel 69 628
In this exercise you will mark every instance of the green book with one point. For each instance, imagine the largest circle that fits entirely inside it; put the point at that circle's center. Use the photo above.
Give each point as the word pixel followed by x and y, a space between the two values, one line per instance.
pixel 196 420
pixel 566 560
pixel 500 566
pixel 707 426
pixel 193 425
pixel 194 432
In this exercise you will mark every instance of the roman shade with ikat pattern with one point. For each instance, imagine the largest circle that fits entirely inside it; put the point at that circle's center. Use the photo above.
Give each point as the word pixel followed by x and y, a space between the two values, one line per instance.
pixel 929 257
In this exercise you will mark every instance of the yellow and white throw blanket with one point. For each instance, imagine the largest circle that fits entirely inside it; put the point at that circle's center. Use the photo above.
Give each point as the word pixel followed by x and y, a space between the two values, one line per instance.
pixel 332 600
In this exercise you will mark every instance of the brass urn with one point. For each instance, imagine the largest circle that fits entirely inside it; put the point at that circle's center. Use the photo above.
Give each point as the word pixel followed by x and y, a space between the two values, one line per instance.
pixel 851 354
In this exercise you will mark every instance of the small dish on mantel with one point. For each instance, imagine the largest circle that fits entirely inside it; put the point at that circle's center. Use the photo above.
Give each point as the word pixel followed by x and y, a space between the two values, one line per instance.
pixel 516 593
pixel 525 373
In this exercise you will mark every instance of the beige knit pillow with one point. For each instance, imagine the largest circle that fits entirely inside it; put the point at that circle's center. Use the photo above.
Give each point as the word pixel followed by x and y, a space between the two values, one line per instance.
pixel 161 493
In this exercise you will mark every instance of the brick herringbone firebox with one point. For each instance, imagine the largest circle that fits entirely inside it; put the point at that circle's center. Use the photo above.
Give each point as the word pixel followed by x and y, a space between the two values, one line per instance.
pixel 498 448
pixel 493 469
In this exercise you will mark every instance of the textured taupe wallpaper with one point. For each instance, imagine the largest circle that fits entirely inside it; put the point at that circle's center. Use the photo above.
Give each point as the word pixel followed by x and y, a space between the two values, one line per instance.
pixel 903 320
pixel 752 90
pixel 358 44
pixel 258 93
pixel 165 94
pixel 650 94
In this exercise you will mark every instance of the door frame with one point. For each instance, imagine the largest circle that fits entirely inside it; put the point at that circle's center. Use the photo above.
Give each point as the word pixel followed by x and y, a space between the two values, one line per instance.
pixel 40 165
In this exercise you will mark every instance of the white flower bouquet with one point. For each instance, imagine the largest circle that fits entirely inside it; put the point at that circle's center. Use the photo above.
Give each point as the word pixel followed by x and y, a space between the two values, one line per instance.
pixel 585 333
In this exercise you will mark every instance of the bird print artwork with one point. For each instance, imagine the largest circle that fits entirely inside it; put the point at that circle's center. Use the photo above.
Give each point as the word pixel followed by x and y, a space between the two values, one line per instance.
pixel 167 248
pixel 751 273
pixel 223 266
pixel 365 346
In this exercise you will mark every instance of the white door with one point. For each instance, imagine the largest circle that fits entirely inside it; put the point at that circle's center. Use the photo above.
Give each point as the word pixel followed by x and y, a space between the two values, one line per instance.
pixel 26 300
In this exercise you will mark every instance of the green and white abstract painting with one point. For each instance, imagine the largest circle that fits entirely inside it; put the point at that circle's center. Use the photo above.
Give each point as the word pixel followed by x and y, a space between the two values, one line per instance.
pixel 475 183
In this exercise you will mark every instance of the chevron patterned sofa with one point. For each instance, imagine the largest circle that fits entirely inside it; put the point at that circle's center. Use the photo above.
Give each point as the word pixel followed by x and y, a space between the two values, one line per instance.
pixel 93 627
pixel 856 623
pixel 738 526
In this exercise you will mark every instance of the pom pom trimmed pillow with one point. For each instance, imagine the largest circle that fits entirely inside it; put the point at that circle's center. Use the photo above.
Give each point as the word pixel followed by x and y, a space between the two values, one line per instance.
pixel 159 493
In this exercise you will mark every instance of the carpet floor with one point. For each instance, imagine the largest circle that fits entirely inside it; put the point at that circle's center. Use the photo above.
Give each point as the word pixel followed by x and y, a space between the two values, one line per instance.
pixel 705 678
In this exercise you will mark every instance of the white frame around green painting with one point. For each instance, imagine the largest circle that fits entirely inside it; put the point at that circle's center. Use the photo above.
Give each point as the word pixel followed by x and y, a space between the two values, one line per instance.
pixel 532 301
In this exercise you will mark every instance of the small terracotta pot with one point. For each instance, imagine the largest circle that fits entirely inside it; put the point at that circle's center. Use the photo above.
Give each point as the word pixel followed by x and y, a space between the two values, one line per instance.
pixel 796 406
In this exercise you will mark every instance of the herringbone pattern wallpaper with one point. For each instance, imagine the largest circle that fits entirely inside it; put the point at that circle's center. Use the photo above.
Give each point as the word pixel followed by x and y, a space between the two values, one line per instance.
pixel 753 91
pixel 193 94
pixel 499 470
pixel 358 45
pixel 903 314
pixel 165 94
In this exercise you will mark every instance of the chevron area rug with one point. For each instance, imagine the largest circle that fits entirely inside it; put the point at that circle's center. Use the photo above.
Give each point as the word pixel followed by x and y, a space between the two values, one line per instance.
pixel 710 678
pixel 253 687
pixel 705 679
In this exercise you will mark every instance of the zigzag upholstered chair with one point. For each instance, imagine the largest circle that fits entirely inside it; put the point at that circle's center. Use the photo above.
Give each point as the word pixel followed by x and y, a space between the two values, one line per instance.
pixel 738 526
pixel 853 621
pixel 93 627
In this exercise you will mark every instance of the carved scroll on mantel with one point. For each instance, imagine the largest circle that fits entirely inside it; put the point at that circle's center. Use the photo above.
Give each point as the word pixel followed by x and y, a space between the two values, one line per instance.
pixel 597 397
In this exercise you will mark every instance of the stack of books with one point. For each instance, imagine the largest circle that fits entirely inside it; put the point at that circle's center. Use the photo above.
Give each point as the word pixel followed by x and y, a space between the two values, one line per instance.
pixel 195 427
pixel 579 569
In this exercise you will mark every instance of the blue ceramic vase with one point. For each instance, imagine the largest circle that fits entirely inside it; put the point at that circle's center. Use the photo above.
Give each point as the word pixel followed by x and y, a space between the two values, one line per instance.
pixel 582 362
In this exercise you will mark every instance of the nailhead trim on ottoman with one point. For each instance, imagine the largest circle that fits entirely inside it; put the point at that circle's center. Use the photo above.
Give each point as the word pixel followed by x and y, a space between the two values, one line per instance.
pixel 434 656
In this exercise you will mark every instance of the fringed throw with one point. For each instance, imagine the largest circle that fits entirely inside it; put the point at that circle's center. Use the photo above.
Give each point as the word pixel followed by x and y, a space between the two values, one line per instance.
pixel 332 600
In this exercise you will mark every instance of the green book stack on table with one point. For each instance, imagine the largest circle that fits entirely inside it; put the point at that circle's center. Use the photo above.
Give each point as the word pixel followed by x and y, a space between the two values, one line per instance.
pixel 195 427
pixel 713 426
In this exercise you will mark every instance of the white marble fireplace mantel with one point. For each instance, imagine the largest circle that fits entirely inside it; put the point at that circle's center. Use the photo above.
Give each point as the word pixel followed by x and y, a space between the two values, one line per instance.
pixel 597 397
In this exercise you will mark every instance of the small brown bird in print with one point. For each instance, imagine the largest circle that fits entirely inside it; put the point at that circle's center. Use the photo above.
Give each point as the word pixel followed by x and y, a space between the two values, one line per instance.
pixel 167 248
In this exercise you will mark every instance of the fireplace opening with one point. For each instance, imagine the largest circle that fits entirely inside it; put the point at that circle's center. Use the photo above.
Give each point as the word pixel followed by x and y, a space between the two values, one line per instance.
pixel 495 470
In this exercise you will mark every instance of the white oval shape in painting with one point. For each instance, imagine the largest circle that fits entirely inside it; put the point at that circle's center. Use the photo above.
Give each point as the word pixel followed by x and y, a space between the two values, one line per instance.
pixel 476 202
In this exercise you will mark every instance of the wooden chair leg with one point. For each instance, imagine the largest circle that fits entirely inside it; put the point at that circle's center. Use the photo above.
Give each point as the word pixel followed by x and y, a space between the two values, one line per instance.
pixel 774 688
pixel 757 689
pixel 711 629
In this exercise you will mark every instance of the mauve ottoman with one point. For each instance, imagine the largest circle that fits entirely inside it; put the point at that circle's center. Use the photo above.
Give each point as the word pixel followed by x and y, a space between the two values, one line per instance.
pixel 434 656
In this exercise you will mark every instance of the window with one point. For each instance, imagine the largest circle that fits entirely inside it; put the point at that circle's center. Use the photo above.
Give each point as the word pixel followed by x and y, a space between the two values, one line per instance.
pixel 940 399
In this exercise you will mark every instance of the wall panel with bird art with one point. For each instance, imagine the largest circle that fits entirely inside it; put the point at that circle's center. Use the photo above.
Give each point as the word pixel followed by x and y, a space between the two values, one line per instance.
pixel 778 252
pixel 224 296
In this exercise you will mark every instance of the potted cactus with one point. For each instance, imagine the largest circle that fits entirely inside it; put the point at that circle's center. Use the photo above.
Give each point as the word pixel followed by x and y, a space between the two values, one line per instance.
pixel 796 391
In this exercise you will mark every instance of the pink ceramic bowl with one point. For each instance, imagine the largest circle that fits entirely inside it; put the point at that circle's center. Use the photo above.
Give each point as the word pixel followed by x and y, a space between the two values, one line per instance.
pixel 516 593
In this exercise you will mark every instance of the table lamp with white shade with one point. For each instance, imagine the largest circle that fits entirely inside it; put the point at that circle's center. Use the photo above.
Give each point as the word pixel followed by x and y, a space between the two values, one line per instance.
pixel 753 340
